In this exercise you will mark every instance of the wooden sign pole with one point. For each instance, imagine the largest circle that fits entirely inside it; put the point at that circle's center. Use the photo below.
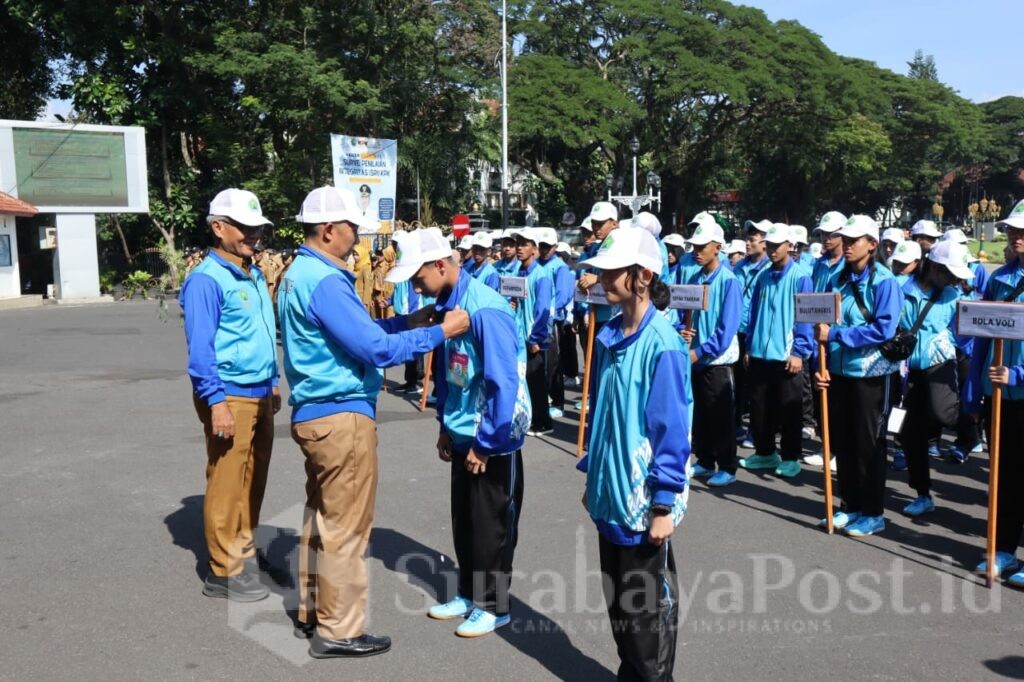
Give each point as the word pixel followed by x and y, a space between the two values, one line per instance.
pixel 591 321
pixel 993 469
pixel 429 362
pixel 826 446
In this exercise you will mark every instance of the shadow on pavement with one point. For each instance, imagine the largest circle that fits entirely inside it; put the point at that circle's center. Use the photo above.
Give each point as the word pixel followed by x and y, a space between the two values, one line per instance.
pixel 1011 667
pixel 537 636
pixel 186 528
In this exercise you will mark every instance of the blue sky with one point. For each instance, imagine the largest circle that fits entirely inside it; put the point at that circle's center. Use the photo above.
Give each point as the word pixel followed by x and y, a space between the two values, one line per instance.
pixel 973 42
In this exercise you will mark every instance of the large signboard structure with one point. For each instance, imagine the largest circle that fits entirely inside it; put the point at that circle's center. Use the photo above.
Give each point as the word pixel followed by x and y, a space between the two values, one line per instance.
pixel 368 167
pixel 75 171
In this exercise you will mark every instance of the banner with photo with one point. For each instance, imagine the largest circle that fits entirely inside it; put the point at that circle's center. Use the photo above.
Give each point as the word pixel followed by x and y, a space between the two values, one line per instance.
pixel 368 167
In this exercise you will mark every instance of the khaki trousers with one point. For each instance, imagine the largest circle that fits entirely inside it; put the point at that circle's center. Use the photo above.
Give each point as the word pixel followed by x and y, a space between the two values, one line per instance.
pixel 341 488
pixel 236 477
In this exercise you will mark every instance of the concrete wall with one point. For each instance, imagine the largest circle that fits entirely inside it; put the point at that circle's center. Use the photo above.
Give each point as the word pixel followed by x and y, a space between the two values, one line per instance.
pixel 10 276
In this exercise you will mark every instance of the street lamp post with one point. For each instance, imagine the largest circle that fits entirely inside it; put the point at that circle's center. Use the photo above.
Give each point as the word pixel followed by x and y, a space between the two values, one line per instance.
pixel 636 201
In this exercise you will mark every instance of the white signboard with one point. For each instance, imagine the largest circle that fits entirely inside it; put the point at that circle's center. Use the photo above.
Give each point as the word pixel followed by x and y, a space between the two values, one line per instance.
pixel 688 296
pixel 991 320
pixel 513 287
pixel 594 295
pixel 817 308
pixel 74 168
pixel 368 167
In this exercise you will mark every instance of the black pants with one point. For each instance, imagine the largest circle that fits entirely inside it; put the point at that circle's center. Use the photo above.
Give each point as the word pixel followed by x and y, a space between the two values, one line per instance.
pixel 1010 507
pixel 713 418
pixel 856 411
pixel 967 430
pixel 809 412
pixel 485 525
pixel 776 406
pixel 537 383
pixel 567 356
pixel 556 382
pixel 641 592
pixel 932 403
pixel 414 371
pixel 740 381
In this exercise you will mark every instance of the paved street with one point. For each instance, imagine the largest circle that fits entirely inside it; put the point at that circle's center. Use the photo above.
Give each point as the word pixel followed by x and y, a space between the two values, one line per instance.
pixel 102 555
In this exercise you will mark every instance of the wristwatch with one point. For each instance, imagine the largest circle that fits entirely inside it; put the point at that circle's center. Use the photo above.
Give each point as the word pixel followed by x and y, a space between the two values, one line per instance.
pixel 660 509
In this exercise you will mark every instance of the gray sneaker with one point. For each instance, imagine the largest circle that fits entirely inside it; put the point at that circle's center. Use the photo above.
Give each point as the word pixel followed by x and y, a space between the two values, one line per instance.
pixel 243 587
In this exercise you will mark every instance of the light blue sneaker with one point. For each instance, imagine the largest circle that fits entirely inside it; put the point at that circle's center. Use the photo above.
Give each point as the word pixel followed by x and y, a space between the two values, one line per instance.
pixel 1016 580
pixel 1004 562
pixel 578 405
pixel 788 469
pixel 756 461
pixel 748 441
pixel 840 520
pixel 555 413
pixel 721 479
pixel 701 472
pixel 980 447
pixel 922 505
pixel 481 623
pixel 865 526
pixel 456 608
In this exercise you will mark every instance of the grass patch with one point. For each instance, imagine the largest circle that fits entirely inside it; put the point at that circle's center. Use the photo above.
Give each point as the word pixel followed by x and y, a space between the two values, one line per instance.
pixel 993 249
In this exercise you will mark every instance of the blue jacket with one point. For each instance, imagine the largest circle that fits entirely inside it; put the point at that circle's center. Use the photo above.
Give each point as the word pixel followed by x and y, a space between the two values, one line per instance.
pixel 746 272
pixel 484 403
pixel 507 267
pixel 229 330
pixel 639 443
pixel 807 261
pixel 715 342
pixel 665 276
pixel 486 273
pixel 564 282
pixel 405 300
pixel 853 349
pixel 533 313
pixel 773 333
pixel 935 341
pixel 602 313
pixel 823 273
pixel 1000 285
pixel 332 348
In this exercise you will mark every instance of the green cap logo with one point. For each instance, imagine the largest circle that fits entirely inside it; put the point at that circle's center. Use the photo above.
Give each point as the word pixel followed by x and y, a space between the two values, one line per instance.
pixel 607 243
pixel 827 217
pixel 1018 209
pixel 254 205
pixel 852 220
pixel 700 229
pixel 398 251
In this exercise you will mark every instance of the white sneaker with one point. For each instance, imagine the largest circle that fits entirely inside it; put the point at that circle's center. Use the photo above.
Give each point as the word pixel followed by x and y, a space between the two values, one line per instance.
pixel 808 432
pixel 817 460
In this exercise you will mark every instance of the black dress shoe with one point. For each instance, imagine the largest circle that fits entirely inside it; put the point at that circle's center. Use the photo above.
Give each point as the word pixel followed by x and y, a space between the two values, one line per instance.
pixel 354 647
pixel 243 587
pixel 304 630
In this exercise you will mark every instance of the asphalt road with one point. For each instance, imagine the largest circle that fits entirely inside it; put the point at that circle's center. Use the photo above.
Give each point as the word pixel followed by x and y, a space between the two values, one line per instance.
pixel 102 557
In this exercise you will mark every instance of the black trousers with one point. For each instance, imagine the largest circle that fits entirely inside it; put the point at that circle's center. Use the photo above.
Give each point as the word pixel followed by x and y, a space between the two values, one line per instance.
pixel 485 525
pixel 414 371
pixel 740 379
pixel 810 418
pixel 776 406
pixel 556 382
pixel 967 430
pixel 713 418
pixel 918 427
pixel 537 383
pixel 567 356
pixel 856 411
pixel 1010 507
pixel 642 595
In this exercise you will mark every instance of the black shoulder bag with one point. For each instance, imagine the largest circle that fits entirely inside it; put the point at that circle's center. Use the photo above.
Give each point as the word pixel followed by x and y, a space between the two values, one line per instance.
pixel 902 345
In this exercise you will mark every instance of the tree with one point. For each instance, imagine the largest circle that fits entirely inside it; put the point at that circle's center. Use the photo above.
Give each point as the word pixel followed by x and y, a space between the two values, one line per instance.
pixel 922 67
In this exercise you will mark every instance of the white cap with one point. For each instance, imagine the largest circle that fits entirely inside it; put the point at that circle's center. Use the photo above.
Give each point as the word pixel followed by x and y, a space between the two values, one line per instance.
pixel 528 233
pixel 760 225
pixel 954 235
pixel 481 239
pixel 239 205
pixel 626 222
pixel 466 243
pixel 925 228
pixel 563 248
pixel 831 221
pixel 798 234
pixel 892 234
pixel 424 245
pixel 1016 217
pixel 815 250
pixel 906 251
pixel 778 233
pixel 627 246
pixel 332 205
pixel 601 211
pixel 510 233
pixel 956 258
pixel 859 226
pixel 675 239
pixel 706 231
pixel 736 246
pixel 546 235
pixel 649 222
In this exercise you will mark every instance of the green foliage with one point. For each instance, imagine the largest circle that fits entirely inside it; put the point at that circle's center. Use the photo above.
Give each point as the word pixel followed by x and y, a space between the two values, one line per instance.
pixel 137 282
